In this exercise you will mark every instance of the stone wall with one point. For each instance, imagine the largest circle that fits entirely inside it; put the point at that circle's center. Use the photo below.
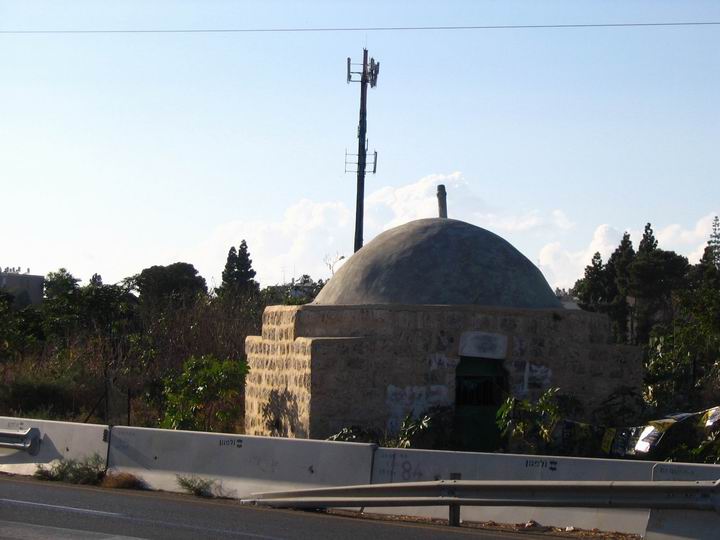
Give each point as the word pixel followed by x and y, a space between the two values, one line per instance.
pixel 277 389
pixel 372 365
pixel 370 382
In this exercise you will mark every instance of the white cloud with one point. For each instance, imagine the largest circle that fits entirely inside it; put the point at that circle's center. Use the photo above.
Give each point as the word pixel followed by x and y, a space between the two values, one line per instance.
pixel 561 220
pixel 389 207
pixel 531 221
pixel 295 245
pixel 309 232
pixel 563 266
pixel 392 206
pixel 690 242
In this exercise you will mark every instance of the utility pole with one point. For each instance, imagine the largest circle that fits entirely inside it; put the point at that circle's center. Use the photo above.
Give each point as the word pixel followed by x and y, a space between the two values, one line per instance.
pixel 368 74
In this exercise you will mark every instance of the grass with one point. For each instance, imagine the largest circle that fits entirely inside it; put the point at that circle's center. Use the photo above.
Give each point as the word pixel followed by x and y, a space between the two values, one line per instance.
pixel 195 485
pixel 89 471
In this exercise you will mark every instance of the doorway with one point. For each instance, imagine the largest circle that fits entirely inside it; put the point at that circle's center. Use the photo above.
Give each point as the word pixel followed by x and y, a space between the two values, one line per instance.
pixel 481 386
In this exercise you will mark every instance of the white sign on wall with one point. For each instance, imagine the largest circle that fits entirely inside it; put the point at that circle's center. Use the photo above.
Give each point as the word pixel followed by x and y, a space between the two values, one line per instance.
pixel 483 345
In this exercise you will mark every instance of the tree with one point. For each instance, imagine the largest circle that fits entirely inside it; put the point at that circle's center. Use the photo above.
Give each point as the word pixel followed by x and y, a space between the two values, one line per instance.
pixel 60 284
pixel 229 273
pixel 107 308
pixel 238 274
pixel 655 274
pixel 714 242
pixel 61 308
pixel 619 267
pixel 634 289
pixel 654 277
pixel 176 283
pixel 683 366
pixel 622 259
pixel 704 272
pixel 8 327
pixel 592 289
pixel 648 242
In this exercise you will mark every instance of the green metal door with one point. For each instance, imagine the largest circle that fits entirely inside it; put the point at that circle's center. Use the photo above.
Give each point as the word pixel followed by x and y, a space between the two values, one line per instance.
pixel 480 388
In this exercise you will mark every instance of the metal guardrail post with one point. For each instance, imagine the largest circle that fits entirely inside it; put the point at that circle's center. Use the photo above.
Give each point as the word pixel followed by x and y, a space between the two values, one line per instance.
pixel 26 441
pixel 454 509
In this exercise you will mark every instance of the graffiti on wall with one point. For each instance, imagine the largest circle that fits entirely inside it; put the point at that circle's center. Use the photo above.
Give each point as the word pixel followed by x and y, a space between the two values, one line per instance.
pixel 536 377
pixel 441 361
pixel 414 401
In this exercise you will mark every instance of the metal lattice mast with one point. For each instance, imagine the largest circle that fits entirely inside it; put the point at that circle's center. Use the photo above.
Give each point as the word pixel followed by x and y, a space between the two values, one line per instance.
pixel 368 75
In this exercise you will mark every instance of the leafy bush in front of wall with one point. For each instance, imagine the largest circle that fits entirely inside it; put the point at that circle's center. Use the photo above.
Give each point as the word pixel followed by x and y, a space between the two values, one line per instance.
pixel 410 430
pixel 529 424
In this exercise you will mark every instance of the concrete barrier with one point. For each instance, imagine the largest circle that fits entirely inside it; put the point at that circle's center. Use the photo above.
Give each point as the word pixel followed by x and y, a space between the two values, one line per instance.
pixel 51 441
pixel 392 465
pixel 240 464
pixel 679 524
pixel 685 471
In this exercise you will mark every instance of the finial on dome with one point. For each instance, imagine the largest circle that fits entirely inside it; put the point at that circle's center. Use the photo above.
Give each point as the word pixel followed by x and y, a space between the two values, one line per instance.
pixel 442 201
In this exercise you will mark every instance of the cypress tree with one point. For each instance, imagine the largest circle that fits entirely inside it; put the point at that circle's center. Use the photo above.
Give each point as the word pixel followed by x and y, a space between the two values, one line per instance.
pixel 714 242
pixel 591 290
pixel 648 244
pixel 245 272
pixel 619 310
pixel 238 273
pixel 229 273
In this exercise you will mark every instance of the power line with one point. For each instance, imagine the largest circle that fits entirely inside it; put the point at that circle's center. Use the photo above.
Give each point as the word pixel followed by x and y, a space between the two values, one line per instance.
pixel 367 28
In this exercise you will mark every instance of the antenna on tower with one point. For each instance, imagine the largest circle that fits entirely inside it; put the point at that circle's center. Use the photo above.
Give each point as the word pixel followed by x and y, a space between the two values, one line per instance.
pixel 368 74
pixel 374 72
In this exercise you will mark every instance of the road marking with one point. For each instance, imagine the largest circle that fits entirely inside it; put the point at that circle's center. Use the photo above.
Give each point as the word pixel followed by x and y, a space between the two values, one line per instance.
pixel 59 507
pixel 241 534
pixel 202 529
pixel 13 530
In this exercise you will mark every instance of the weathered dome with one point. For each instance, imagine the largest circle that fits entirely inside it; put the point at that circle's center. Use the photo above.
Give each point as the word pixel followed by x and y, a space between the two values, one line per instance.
pixel 439 261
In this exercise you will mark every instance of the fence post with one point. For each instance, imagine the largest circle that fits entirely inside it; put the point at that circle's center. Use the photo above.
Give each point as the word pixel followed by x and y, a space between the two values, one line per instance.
pixel 454 510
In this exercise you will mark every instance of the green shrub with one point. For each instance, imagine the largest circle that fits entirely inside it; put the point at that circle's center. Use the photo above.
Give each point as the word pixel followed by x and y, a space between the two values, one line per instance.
pixel 89 471
pixel 529 424
pixel 206 395
pixel 195 485
pixel 410 430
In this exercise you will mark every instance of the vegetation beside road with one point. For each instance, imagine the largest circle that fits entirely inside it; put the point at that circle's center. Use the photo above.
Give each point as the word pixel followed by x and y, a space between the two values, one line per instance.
pixel 157 348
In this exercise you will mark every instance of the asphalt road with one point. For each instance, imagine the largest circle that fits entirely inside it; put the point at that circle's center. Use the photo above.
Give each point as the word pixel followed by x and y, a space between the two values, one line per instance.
pixel 35 510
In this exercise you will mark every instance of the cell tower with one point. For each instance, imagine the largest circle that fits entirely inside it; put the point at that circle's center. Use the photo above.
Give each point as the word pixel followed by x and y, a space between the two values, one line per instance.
pixel 368 75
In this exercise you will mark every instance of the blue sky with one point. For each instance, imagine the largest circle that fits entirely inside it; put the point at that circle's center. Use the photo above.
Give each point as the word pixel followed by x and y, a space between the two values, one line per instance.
pixel 119 151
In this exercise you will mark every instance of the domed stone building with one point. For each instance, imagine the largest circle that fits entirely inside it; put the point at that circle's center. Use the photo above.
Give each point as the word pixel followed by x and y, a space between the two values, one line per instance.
pixel 434 313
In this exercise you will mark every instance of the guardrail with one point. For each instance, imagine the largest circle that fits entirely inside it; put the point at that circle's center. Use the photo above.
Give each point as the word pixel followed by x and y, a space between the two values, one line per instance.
pixel 27 440
pixel 241 466
pixel 701 495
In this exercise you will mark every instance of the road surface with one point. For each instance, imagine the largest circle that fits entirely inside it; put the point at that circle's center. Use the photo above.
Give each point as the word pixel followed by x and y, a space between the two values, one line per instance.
pixel 35 510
